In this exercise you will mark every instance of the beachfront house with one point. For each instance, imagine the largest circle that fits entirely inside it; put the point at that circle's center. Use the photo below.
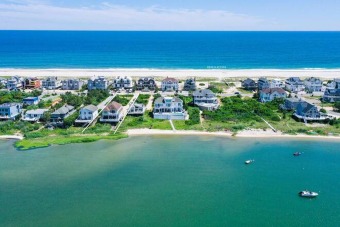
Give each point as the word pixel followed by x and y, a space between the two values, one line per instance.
pixel 190 84
pixel 30 101
pixel 58 116
pixel 9 111
pixel 294 84
pixel 32 83
pixel 205 99
pixel 14 83
pixel 291 103
pixel 249 84
pixel 97 83
pixel 34 115
pixel 263 83
pixel 169 108
pixel 276 83
pixel 269 94
pixel 331 95
pixel 51 83
pixel 125 83
pixel 72 84
pixel 335 83
pixel 146 84
pixel 87 114
pixel 313 84
pixel 112 113
pixel 137 109
pixel 169 84
pixel 309 112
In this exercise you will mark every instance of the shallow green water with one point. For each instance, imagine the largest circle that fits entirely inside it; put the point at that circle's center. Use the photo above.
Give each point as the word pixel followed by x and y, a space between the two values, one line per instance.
pixel 171 181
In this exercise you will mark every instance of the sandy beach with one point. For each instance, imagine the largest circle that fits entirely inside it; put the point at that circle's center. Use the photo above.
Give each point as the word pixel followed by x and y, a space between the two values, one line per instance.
pixel 243 134
pixel 208 73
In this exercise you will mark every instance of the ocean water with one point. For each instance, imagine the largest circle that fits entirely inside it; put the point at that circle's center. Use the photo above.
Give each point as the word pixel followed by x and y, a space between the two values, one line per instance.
pixel 169 50
pixel 171 181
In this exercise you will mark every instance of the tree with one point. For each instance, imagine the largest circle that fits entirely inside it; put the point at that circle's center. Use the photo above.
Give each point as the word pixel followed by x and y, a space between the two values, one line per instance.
pixel 337 106
pixel 46 117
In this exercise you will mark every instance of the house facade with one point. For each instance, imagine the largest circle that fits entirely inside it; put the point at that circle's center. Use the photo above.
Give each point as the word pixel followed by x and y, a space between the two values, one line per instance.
pixel 190 84
pixel 112 113
pixel 291 104
pixel 249 84
pixel 335 83
pixel 34 115
pixel 72 84
pixel 331 95
pixel 30 101
pixel 276 83
pixel 32 83
pixel 51 83
pixel 14 83
pixel 123 82
pixel 169 84
pixel 9 111
pixel 146 83
pixel 97 83
pixel 87 114
pixel 313 84
pixel 205 99
pixel 137 109
pixel 58 116
pixel 269 94
pixel 294 84
pixel 169 108
pixel 263 83
pixel 309 112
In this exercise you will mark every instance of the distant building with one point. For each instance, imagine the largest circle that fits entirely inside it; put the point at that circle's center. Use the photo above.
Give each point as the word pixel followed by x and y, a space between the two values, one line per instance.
pixel 169 108
pixel 276 83
pixel 334 84
pixel 97 83
pixel 72 84
pixel 169 84
pixel 205 99
pixel 30 101
pixel 51 83
pixel 58 116
pixel 146 83
pixel 190 85
pixel 263 83
pixel 291 103
pixel 308 112
pixel 137 109
pixel 113 113
pixel 249 84
pixel 123 82
pixel 269 94
pixel 9 111
pixel 331 95
pixel 87 114
pixel 34 115
pixel 313 84
pixel 32 83
pixel 14 83
pixel 294 84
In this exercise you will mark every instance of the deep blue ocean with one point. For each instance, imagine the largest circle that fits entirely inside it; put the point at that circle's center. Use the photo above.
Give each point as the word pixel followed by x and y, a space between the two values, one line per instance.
pixel 169 50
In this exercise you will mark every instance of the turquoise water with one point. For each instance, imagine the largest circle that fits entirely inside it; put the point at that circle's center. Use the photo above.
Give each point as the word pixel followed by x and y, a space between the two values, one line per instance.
pixel 169 50
pixel 171 181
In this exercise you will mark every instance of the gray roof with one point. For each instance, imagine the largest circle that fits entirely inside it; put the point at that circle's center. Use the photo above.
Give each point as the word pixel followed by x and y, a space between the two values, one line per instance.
pixel 203 92
pixel 304 107
pixel 64 109
pixel 37 111
pixel 161 100
pixel 91 107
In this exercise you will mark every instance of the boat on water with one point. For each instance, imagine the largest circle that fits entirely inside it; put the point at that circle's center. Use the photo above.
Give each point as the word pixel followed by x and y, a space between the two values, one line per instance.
pixel 308 194
pixel 297 153
pixel 249 161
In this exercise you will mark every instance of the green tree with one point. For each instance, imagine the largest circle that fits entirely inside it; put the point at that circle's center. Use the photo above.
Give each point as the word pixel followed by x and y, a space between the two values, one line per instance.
pixel 337 106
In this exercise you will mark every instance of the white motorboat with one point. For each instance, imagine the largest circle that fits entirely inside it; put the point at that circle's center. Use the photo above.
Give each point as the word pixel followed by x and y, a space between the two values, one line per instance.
pixel 308 194
pixel 249 161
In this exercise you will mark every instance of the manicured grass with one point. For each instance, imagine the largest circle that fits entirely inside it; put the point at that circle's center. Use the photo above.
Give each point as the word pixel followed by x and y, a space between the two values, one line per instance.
pixel 122 99
pixel 181 125
pixel 143 99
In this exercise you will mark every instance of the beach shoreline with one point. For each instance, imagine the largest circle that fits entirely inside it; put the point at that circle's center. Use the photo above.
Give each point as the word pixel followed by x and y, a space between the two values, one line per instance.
pixel 178 73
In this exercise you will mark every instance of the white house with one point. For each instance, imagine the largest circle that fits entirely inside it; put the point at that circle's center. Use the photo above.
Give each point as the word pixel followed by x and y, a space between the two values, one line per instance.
pixel 269 94
pixel 294 84
pixel 34 115
pixel 112 113
pixel 97 82
pixel 123 82
pixel 87 114
pixel 276 83
pixel 51 83
pixel 169 108
pixel 169 84
pixel 137 109
pixel 205 99
pixel 313 84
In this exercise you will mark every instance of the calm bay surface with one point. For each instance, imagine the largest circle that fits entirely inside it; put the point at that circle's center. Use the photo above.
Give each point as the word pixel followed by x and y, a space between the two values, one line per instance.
pixel 171 181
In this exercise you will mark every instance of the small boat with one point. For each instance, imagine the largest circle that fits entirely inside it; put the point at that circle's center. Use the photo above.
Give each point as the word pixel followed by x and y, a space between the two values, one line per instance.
pixel 308 194
pixel 249 161
pixel 297 153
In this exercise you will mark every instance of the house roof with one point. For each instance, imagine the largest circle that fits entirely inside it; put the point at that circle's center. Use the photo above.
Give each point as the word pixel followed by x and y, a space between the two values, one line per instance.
pixel 64 109
pixel 314 79
pixel 169 79
pixel 10 104
pixel 271 90
pixel 304 107
pixel 37 111
pixel 173 99
pixel 248 81
pixel 90 107
pixel 333 92
pixel 203 92
pixel 113 106
pixel 30 98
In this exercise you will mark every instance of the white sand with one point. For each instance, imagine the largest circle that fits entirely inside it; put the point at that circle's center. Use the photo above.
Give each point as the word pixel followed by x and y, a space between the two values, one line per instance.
pixel 253 73
pixel 12 137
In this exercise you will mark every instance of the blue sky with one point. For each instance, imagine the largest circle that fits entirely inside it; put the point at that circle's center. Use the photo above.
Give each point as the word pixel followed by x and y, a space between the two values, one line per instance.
pixel 170 15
